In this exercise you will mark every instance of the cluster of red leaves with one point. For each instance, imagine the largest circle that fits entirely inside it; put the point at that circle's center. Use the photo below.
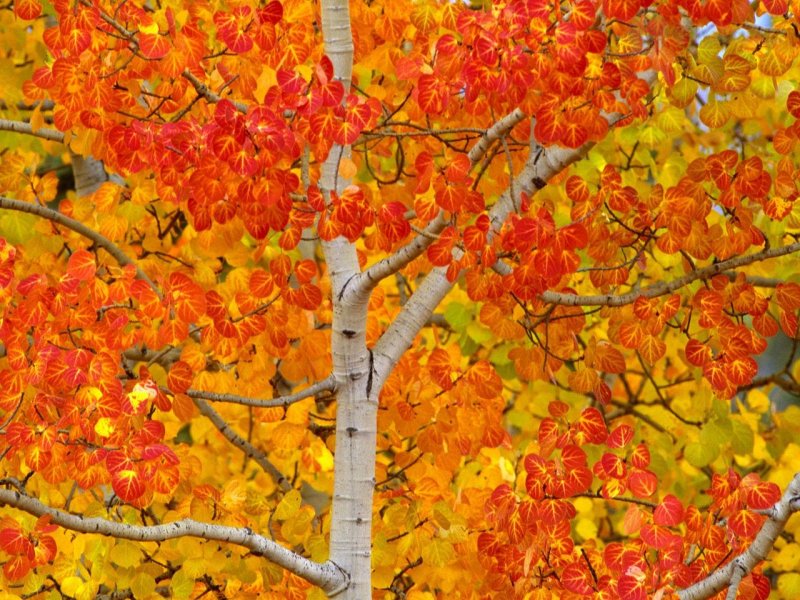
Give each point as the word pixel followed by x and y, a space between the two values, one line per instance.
pixel 26 551
pixel 533 55
pixel 529 544
pixel 84 422
pixel 726 356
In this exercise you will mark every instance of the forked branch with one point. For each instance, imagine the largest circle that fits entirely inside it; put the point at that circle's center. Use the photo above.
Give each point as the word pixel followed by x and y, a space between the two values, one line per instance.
pixel 403 256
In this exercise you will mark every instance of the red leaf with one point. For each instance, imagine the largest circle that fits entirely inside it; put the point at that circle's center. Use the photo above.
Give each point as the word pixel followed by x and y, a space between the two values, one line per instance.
pixel 759 494
pixel 642 483
pixel 620 437
pixel 659 537
pixel 128 484
pixel 669 512
pixel 631 586
pixel 27 10
pixel 788 296
pixel 746 523
pixel 261 283
pixel 576 578
pixel 14 541
pixel 592 425
pixel 793 103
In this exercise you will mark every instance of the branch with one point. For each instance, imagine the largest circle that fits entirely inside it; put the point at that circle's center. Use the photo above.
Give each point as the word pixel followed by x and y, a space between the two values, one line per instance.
pixel 203 90
pixel 81 229
pixel 52 135
pixel 494 133
pixel 667 287
pixel 325 575
pixel 733 572
pixel 326 385
pixel 402 257
pixel 250 451
pixel 541 166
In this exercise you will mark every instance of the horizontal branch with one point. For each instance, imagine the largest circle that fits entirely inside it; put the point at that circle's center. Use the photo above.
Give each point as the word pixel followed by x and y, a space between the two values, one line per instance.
pixel 52 135
pixel 325 575
pixel 249 450
pixel 79 228
pixel 758 550
pixel 326 385
pixel 667 287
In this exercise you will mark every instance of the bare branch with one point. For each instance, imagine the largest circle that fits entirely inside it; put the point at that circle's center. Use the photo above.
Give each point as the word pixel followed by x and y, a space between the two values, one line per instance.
pixel 732 573
pixel 250 451
pixel 326 385
pixel 325 575
pixel 666 287
pixel 52 135
pixel 81 229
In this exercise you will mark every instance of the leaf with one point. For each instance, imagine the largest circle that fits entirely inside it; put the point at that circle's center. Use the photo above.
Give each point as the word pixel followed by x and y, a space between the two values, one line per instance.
pixel 125 554
pixel 652 348
pixel 28 10
pixel 715 113
pixel 288 506
pixel 669 512
pixel 180 377
pixel 576 578
pixel 745 523
pixel 128 484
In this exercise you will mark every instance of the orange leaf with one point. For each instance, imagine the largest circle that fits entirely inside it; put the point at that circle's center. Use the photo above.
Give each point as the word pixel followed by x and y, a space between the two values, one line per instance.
pixel 81 265
pixel 180 377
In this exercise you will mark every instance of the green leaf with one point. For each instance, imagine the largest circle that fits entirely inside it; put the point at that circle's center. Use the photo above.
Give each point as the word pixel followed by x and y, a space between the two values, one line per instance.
pixel 457 316
pixel 742 439
pixel 17 227
pixel 181 585
pixel 700 455
pixel 437 553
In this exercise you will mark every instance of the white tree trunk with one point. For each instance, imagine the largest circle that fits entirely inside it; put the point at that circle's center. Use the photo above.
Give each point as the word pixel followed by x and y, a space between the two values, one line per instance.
pixel 357 398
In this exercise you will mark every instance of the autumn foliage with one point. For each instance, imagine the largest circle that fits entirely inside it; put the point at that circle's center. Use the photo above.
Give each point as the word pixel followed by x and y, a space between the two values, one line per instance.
pixel 533 262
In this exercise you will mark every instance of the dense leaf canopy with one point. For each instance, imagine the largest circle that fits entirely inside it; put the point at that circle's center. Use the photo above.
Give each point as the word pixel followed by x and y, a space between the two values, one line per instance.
pixel 539 260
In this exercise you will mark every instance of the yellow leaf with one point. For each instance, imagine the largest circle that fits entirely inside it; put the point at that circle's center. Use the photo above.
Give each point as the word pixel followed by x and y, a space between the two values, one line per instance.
pixel 714 114
pixel 37 120
pixel 104 427
pixel 181 585
pixel 788 559
pixel 437 553
pixel 789 585
pixel 288 506
pixel 143 585
pixel 126 554
pixel 151 29
pixel 682 93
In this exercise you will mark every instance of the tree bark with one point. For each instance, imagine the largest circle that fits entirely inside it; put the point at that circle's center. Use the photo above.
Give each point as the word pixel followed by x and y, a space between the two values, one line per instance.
pixel 357 398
